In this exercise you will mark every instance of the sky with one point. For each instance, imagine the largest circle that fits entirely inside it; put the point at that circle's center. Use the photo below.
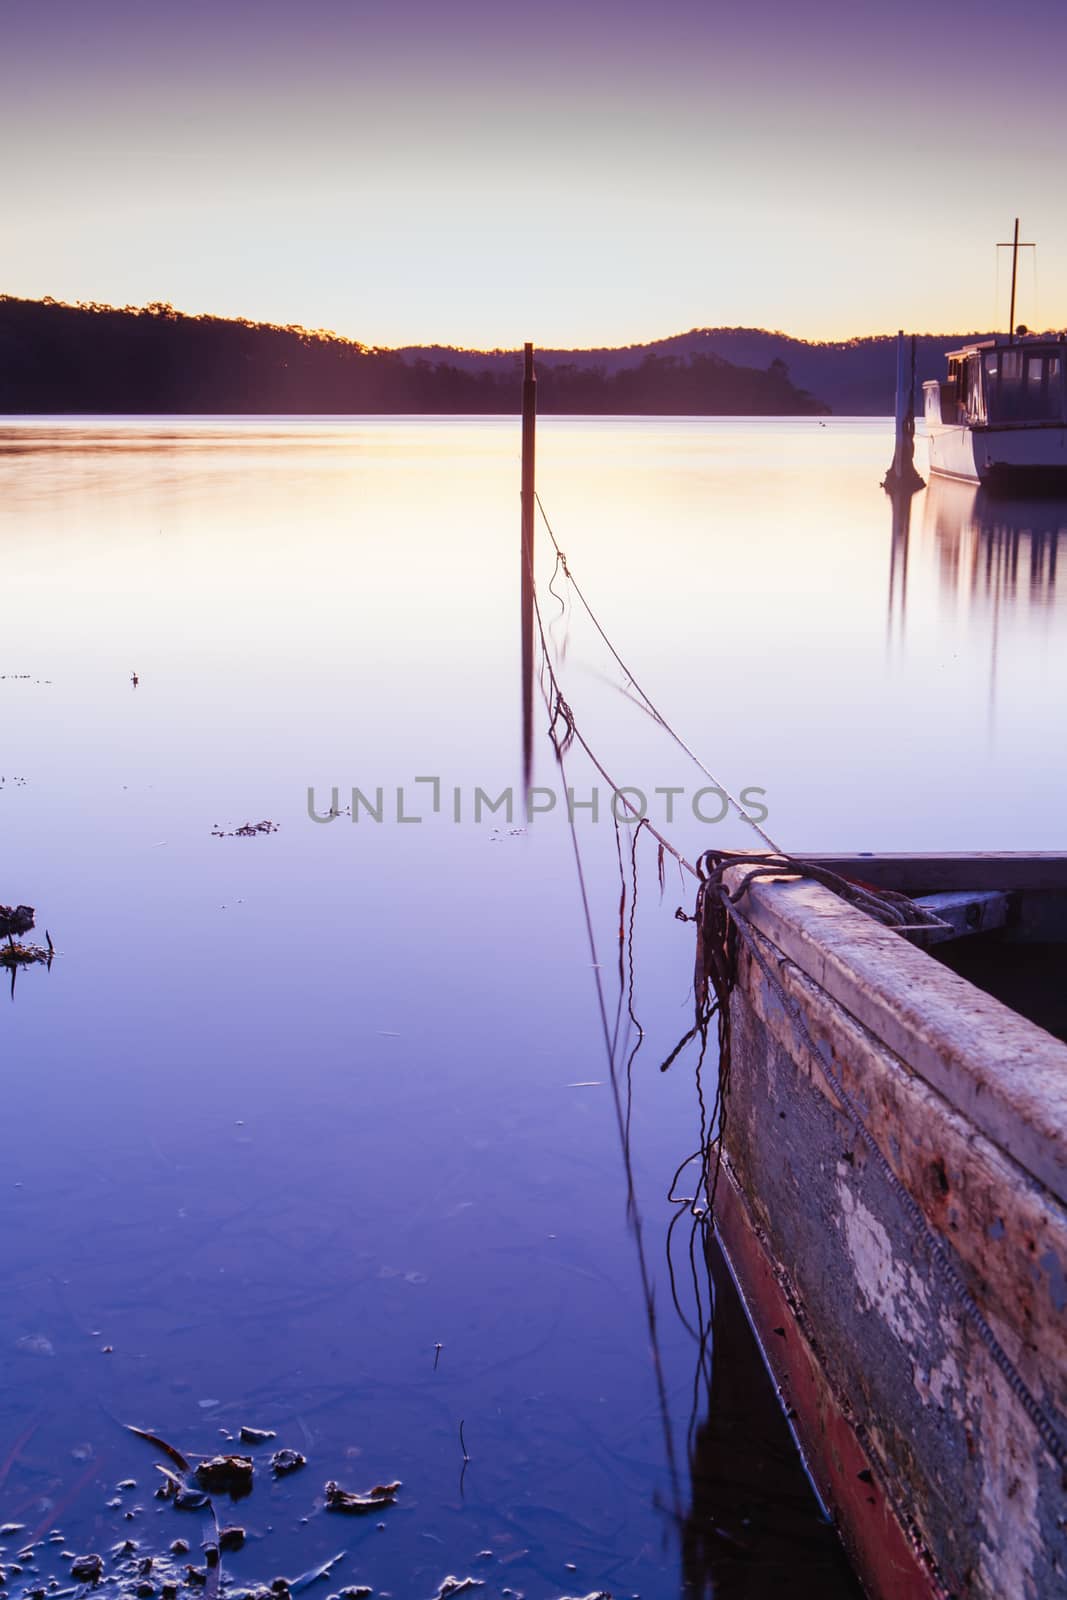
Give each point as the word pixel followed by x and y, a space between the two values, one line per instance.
pixel 594 172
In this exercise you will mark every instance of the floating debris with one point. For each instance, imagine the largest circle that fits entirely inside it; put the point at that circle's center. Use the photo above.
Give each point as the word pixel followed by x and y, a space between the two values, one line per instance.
pixel 184 1496
pixel 87 1569
pixel 256 1435
pixel 11 1528
pixel 247 830
pixel 338 1499
pixel 451 1586
pixel 15 920
pixel 306 1579
pixel 285 1461
pixel 230 1475
pixel 23 955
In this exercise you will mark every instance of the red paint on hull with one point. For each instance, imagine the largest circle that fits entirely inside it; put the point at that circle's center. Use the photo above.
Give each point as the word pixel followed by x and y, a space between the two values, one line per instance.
pixel 887 1559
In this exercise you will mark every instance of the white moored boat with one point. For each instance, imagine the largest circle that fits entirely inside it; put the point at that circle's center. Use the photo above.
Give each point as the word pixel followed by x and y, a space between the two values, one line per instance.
pixel 1000 417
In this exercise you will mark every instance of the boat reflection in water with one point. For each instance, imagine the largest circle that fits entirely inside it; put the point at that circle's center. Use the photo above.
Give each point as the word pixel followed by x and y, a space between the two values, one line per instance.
pixel 995 557
pixel 994 547
pixel 753 1527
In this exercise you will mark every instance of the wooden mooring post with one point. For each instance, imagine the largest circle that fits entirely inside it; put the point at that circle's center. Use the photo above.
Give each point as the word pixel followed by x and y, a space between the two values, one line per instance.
pixel 529 419
pixel 902 478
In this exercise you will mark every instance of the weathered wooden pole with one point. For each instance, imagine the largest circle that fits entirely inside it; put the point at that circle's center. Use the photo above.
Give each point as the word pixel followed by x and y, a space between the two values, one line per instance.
pixel 1015 244
pixel 1014 279
pixel 529 419
pixel 902 477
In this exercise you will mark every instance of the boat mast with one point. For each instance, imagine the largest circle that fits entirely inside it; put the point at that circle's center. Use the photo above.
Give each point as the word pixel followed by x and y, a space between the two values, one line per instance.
pixel 1014 247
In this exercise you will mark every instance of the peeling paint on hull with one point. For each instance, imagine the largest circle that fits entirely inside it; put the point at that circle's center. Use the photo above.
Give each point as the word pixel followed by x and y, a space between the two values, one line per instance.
pixel 925 1457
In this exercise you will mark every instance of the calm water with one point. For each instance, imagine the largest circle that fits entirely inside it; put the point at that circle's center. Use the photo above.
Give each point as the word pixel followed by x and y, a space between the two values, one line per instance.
pixel 291 1111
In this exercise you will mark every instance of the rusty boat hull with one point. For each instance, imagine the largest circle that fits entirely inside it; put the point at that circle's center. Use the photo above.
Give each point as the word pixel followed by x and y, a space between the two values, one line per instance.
pixel 926 1457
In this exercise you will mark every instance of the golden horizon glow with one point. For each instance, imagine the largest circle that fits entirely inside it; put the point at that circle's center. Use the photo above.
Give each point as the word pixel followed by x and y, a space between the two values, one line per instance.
pixel 601 177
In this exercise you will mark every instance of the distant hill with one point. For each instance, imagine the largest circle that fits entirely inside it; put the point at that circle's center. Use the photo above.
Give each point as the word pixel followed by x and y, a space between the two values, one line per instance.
pixel 93 358
pixel 856 377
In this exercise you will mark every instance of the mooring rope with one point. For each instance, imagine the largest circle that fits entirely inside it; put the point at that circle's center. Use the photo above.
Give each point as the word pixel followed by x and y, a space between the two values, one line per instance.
pixel 558 710
pixel 719 923
pixel 653 709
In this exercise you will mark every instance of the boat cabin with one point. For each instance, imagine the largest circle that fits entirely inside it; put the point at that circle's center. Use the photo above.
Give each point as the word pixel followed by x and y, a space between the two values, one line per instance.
pixel 997 384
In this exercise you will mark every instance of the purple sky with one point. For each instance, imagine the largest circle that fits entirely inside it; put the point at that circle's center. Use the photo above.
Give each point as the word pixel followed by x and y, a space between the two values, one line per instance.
pixel 581 173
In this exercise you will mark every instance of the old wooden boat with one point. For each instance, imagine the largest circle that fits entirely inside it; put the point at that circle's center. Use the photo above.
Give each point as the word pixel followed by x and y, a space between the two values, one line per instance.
pixel 930 1418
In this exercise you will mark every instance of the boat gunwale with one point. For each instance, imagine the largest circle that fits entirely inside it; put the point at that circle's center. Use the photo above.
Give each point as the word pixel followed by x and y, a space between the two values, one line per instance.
pixel 1004 1073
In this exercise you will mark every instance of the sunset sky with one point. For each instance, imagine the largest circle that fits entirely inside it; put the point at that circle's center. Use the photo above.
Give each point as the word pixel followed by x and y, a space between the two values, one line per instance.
pixel 571 171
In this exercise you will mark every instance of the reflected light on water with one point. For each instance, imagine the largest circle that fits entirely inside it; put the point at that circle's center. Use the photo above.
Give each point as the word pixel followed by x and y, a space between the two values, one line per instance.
pixel 292 1110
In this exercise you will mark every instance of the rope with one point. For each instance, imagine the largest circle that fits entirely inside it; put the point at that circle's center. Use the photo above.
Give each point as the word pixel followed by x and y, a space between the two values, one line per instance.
pixel 559 711
pixel 720 923
pixel 653 709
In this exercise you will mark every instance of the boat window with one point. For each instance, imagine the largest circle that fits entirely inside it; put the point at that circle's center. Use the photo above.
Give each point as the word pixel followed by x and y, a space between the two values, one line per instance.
pixel 1023 386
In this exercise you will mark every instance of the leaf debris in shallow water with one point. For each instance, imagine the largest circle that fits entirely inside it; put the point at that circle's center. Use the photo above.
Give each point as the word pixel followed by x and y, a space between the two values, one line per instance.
pixel 87 1569
pixel 161 1444
pixel 286 1461
pixel 247 830
pixel 23 955
pixel 230 1475
pixel 315 1575
pixel 15 920
pixel 338 1499
pixel 256 1435
pixel 185 1498
pixel 451 1586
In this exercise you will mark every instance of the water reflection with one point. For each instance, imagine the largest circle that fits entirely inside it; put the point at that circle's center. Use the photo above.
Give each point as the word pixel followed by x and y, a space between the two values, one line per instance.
pixel 900 537
pixel 991 548
pixel 336 1107
pixel 753 1527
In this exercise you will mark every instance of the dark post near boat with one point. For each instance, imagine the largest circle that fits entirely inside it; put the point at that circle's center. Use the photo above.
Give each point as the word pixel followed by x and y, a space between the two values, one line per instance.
pixel 529 417
pixel 902 478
